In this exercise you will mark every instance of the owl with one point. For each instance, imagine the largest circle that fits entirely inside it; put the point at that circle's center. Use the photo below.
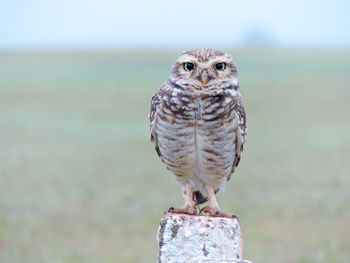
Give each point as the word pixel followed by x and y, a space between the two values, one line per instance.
pixel 198 126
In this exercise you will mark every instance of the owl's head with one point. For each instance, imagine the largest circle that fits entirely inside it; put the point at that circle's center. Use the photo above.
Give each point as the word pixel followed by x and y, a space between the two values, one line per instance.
pixel 204 71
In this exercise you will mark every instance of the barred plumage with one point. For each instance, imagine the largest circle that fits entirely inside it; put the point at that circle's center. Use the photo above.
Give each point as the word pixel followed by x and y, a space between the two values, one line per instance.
pixel 198 125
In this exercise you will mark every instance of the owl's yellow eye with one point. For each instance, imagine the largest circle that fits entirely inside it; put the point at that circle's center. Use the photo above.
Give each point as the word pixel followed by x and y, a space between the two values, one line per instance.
pixel 189 66
pixel 220 66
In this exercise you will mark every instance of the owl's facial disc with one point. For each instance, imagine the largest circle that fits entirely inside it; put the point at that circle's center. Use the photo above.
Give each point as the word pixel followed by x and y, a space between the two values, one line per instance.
pixel 203 70
pixel 206 73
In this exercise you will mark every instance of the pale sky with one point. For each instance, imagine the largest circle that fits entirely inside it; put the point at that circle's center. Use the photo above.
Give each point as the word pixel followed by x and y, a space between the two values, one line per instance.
pixel 160 23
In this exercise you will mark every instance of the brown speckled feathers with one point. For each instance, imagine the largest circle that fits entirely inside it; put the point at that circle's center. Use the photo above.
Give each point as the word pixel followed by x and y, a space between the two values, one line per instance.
pixel 199 129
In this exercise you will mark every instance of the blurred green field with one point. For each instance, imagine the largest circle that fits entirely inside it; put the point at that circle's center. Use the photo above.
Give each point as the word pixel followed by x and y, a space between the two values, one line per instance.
pixel 81 182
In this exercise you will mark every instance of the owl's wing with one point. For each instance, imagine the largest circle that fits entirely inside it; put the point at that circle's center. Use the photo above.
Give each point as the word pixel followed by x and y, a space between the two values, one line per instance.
pixel 241 131
pixel 153 118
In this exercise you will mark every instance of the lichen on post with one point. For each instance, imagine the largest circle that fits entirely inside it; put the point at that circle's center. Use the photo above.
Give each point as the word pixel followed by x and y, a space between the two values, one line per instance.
pixel 195 239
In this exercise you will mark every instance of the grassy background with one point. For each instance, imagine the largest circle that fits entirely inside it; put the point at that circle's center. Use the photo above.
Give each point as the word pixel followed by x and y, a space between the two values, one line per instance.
pixel 81 182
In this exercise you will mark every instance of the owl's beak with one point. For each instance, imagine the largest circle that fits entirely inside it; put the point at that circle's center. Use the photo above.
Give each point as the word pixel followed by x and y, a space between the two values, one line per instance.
pixel 204 77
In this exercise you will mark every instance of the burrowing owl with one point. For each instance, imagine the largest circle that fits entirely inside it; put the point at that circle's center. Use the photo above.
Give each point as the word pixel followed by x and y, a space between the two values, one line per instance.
pixel 198 126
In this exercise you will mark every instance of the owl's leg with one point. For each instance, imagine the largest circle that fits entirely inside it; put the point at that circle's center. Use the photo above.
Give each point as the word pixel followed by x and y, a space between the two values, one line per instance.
pixel 190 204
pixel 213 208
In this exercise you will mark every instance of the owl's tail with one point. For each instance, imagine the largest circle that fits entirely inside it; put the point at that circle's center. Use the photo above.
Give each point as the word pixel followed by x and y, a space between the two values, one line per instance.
pixel 200 198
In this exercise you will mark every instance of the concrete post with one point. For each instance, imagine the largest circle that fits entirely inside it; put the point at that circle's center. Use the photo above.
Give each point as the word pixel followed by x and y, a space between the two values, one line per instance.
pixel 199 239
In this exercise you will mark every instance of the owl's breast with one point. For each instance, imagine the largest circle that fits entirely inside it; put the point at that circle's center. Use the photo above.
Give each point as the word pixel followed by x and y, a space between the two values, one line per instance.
pixel 197 137
pixel 216 133
pixel 175 130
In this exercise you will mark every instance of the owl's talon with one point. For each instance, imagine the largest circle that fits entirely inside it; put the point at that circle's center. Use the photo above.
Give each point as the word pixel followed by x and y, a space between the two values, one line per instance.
pixel 186 210
pixel 216 212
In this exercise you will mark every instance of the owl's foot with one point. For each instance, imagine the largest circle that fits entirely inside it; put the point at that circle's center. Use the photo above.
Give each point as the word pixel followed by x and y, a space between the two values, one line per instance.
pixel 189 210
pixel 216 212
pixel 190 206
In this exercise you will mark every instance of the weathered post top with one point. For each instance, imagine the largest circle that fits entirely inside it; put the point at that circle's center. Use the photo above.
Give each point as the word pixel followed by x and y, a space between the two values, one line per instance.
pixel 198 239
